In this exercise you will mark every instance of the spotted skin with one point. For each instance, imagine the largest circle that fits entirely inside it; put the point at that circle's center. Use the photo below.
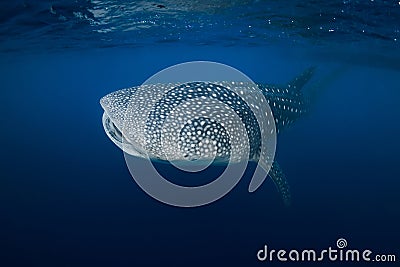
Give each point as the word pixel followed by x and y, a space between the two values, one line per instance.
pixel 211 137
pixel 202 91
pixel 202 136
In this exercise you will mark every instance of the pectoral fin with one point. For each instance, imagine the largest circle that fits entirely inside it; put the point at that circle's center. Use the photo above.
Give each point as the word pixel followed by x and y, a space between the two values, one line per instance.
pixel 280 181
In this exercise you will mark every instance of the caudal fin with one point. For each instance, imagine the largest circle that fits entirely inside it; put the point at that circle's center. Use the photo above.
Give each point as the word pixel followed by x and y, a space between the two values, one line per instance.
pixel 319 86
pixel 298 82
pixel 281 183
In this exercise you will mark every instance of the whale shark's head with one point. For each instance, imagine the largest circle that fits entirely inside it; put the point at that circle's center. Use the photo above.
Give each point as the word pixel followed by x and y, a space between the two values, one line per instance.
pixel 186 122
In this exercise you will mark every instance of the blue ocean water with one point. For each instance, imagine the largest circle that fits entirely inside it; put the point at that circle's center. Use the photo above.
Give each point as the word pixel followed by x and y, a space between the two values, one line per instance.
pixel 67 198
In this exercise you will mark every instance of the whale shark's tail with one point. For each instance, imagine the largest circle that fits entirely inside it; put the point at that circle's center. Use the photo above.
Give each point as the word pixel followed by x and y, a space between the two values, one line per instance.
pixel 306 100
pixel 287 103
pixel 316 90
pixel 299 82
pixel 282 185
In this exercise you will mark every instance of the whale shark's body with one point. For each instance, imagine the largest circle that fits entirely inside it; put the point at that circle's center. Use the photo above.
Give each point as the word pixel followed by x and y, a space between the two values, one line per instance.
pixel 134 117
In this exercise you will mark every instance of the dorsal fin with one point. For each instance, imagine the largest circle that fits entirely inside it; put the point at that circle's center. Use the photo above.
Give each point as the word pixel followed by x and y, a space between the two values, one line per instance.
pixel 298 82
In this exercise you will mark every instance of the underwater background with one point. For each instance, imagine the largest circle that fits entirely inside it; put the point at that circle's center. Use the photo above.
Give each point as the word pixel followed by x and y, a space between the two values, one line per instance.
pixel 66 195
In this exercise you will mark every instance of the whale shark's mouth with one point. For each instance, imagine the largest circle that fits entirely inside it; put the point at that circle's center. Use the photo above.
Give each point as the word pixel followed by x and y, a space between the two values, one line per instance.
pixel 112 129
pixel 116 135
pixel 118 138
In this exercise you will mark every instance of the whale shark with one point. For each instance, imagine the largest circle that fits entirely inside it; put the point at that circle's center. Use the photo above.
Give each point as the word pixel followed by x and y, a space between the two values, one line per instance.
pixel 134 119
